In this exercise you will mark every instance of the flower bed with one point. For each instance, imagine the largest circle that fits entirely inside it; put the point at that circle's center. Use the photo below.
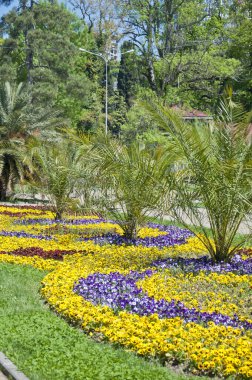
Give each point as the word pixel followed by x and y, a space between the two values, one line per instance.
pixel 160 296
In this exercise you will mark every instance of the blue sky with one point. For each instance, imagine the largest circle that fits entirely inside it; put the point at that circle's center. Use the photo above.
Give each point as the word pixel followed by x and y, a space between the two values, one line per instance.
pixel 4 9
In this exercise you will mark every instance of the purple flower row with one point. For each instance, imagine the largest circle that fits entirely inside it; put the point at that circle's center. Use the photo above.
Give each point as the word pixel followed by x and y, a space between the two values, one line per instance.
pixel 64 222
pixel 237 265
pixel 121 293
pixel 22 234
pixel 175 235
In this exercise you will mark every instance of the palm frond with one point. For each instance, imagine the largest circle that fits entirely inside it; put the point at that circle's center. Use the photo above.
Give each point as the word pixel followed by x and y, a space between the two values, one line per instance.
pixel 218 162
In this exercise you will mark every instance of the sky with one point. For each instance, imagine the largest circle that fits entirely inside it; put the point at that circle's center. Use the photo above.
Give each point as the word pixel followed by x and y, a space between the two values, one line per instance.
pixel 4 9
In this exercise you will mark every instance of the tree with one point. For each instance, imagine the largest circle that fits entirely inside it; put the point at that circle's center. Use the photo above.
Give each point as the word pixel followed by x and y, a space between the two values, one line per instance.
pixel 132 182
pixel 159 28
pixel 182 48
pixel 240 48
pixel 57 170
pixel 117 113
pixel 196 78
pixel 128 74
pixel 56 69
pixel 102 19
pixel 19 123
pixel 214 168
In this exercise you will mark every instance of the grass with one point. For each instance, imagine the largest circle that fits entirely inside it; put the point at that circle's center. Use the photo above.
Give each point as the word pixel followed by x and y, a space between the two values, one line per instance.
pixel 45 347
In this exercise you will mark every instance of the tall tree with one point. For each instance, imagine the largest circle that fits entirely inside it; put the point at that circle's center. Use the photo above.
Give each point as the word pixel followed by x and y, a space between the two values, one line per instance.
pixel 176 38
pixel 101 17
pixel 129 76
pixel 240 48
pixel 53 70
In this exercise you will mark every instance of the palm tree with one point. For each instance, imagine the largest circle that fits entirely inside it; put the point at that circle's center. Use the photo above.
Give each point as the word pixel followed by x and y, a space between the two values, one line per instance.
pixel 57 171
pixel 132 182
pixel 19 123
pixel 214 169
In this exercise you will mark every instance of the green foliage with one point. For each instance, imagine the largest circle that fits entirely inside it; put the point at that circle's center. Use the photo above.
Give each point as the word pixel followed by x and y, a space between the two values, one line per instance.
pixel 185 51
pixel 45 347
pixel 43 52
pixel 139 126
pixel 57 170
pixel 128 74
pixel 240 48
pixel 213 167
pixel 181 43
pixel 200 77
pixel 132 178
pixel 19 123
pixel 117 113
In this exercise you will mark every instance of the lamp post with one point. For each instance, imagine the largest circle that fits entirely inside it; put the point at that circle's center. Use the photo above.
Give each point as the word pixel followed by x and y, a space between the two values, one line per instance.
pixel 106 59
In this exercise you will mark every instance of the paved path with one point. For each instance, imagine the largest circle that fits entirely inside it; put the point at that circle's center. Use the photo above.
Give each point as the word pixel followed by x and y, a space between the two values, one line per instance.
pixel 2 376
pixel 245 227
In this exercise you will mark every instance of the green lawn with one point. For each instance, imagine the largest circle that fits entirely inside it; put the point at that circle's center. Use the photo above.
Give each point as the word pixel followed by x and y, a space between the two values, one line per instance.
pixel 45 347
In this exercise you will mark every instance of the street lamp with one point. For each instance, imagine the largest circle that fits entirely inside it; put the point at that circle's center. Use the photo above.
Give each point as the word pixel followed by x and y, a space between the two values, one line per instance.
pixel 106 59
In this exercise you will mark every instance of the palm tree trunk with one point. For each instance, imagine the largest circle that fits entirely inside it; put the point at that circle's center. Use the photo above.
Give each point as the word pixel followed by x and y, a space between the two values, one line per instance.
pixel 58 215
pixel 4 181
pixel 130 231
pixel 3 189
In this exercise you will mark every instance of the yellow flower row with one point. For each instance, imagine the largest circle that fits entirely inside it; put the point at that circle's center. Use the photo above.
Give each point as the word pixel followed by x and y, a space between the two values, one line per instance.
pixel 212 349
pixel 122 254
pixel 222 293
pixel 192 247
pixel 69 241
pixel 17 210
pixel 7 223
pixel 35 262
pixel 50 228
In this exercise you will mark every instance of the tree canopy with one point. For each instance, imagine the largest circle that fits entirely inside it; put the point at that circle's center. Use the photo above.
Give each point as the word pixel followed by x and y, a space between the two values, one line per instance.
pixel 184 51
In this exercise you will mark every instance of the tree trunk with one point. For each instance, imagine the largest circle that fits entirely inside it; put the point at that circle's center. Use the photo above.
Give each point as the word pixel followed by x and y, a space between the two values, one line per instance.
pixel 151 74
pixel 150 53
pixel 3 189
pixel 58 215
pixel 4 179
pixel 221 252
pixel 29 52
pixel 130 231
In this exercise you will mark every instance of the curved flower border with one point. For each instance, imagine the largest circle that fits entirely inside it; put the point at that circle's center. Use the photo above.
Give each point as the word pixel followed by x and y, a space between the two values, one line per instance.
pixel 214 349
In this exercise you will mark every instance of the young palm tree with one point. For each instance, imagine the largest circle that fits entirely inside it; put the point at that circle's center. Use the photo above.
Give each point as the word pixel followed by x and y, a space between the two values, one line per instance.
pixel 18 123
pixel 132 181
pixel 57 170
pixel 214 168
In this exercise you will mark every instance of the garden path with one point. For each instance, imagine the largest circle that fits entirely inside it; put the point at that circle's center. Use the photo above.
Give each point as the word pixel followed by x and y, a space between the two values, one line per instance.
pixel 245 227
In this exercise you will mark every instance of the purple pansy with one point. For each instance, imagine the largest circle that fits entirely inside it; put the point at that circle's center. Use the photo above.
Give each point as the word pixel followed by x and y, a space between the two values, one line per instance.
pixel 236 265
pixel 22 234
pixel 64 222
pixel 174 236
pixel 120 292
